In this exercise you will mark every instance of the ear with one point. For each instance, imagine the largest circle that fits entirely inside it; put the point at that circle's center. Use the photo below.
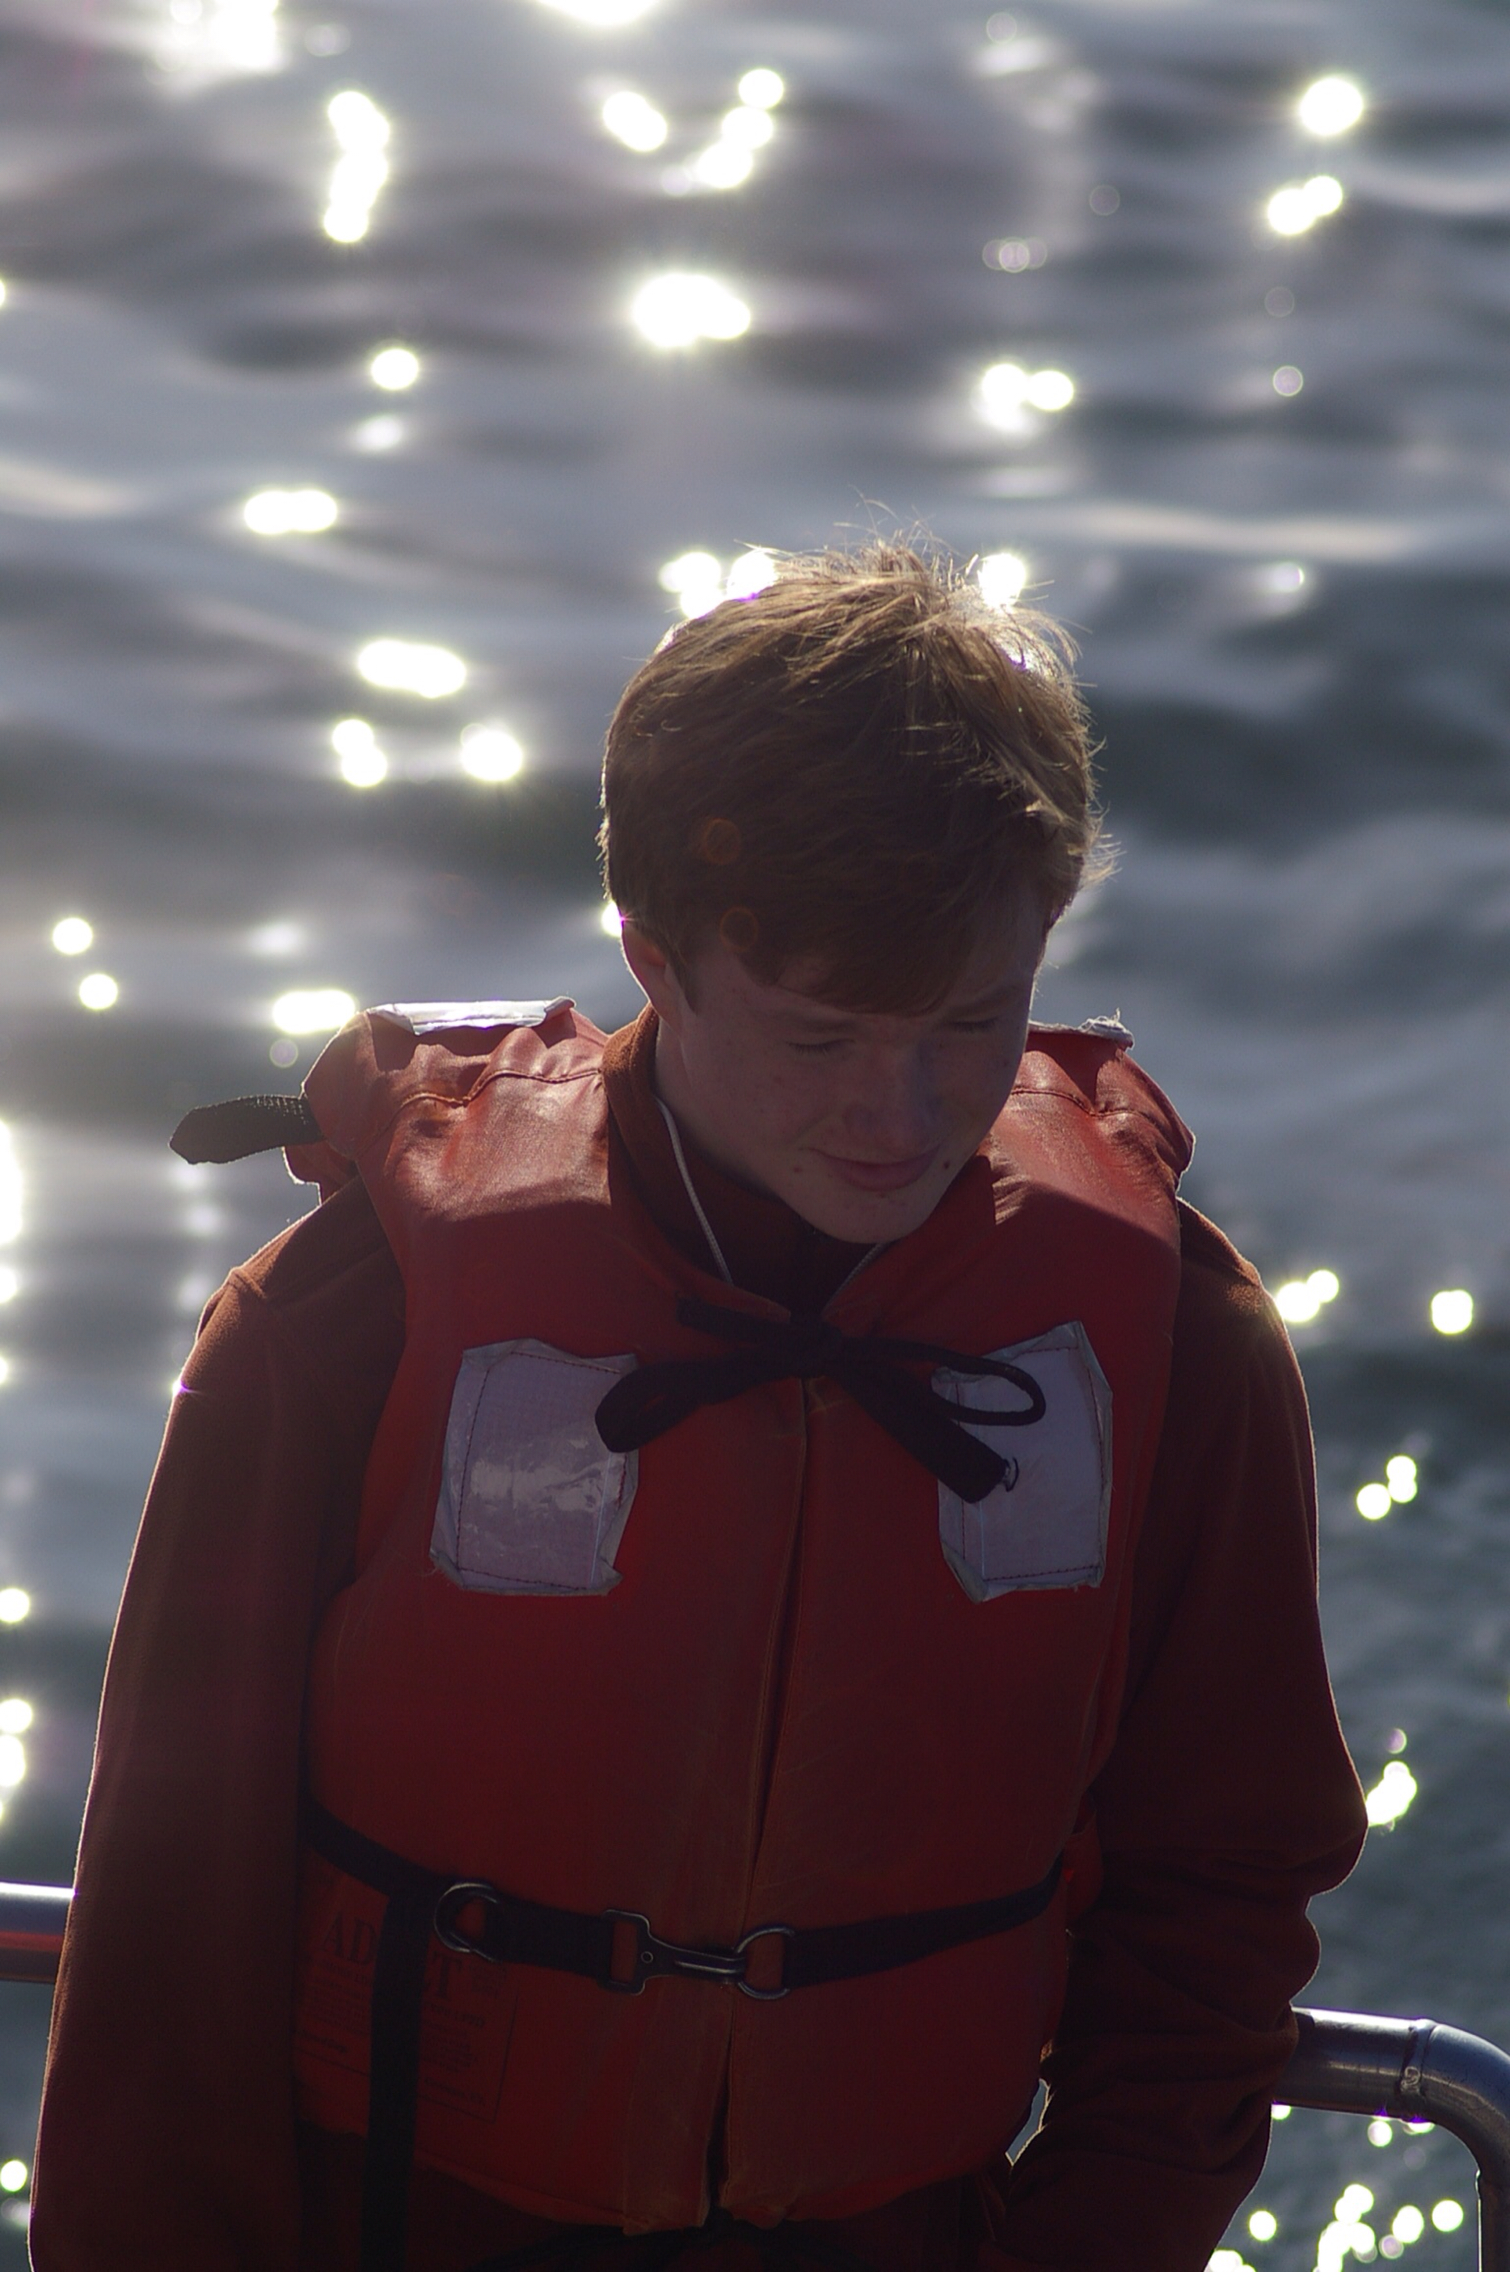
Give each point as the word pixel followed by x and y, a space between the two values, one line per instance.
pixel 650 967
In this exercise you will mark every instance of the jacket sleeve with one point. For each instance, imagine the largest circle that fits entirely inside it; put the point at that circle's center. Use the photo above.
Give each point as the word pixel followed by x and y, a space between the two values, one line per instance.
pixel 167 2136
pixel 1228 1801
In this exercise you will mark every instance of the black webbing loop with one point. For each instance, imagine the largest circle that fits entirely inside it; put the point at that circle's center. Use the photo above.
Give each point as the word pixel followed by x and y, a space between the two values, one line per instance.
pixel 653 1398
pixel 515 1931
pixel 216 1133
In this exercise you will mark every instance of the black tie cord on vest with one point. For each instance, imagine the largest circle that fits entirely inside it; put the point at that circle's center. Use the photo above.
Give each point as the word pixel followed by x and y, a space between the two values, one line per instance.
pixel 212 1134
pixel 616 1947
pixel 653 1398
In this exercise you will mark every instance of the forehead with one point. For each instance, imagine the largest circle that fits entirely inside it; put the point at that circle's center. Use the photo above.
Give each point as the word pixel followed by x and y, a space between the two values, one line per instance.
pixel 1003 960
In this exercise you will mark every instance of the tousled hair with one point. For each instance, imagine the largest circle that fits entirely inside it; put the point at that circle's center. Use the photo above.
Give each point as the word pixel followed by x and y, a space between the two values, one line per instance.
pixel 854 769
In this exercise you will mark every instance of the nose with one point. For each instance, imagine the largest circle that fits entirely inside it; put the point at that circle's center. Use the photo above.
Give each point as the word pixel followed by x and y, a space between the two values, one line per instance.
pixel 894 1111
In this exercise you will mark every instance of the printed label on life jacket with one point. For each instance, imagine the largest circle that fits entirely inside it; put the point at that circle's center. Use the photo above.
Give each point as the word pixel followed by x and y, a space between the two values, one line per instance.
pixel 531 1499
pixel 1045 1523
pixel 466 2018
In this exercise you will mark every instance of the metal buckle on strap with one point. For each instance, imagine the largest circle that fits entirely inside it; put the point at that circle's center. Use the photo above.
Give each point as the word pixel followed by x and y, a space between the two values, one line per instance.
pixel 655 1959
pixel 449 1907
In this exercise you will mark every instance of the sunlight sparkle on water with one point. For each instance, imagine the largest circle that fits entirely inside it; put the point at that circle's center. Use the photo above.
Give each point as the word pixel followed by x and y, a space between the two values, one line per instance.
pixel 1452 1310
pixel 1001 577
pixel 1300 1301
pixel 410 666
pixel 600 15
pixel 362 764
pixel 394 368
pixel 699 582
pixel 1005 390
pixel 491 753
pixel 15 1605
pixel 1380 2132
pixel 314 1009
pixel 290 512
pixel 362 131
pixel 748 126
pixel 13 2175
pixel 99 991
pixel 634 120
pixel 205 38
pixel 12 1762
pixel 681 307
pixel 1287 380
pixel 723 165
pixel 1301 204
pixel 1263 2224
pixel 385 432
pixel 1227 2260
pixel 73 935
pixel 1391 1795
pixel 10 1282
pixel 761 88
pixel 1408 2223
pixel 10 1189
pixel 16 1716
pixel 1330 106
pixel 1402 1476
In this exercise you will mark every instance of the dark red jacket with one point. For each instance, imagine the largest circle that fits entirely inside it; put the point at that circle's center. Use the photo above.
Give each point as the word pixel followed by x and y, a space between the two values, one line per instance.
pixel 168 2137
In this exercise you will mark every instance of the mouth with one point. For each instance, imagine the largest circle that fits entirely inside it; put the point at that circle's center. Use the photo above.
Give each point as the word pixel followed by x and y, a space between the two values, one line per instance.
pixel 880 1175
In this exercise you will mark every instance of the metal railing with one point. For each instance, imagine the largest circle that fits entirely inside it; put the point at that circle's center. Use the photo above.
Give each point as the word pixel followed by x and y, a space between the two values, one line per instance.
pixel 1417 2071
pixel 1344 2063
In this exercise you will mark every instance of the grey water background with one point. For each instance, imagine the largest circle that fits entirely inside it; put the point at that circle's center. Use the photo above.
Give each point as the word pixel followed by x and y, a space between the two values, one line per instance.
pixel 1309 776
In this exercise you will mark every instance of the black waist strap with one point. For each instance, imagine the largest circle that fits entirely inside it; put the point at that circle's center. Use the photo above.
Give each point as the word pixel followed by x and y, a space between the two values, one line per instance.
pixel 617 1948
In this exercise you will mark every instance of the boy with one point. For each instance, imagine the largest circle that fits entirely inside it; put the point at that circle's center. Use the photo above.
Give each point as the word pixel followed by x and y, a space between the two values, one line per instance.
pixel 779 1554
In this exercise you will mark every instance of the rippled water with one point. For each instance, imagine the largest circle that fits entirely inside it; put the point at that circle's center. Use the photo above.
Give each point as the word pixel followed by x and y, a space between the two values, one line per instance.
pixel 1291 603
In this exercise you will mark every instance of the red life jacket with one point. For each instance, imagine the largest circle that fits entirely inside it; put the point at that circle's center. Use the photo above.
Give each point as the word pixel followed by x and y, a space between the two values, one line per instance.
pixel 767 1669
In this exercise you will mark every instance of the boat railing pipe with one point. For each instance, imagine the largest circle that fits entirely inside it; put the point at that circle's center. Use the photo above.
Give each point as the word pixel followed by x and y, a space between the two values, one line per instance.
pixel 1344 2063
pixel 1416 2071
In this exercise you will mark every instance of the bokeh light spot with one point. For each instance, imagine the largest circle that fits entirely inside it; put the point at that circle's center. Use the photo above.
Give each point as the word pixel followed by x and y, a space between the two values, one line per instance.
pixel 410 666
pixel 1391 1795
pixel 634 120
pixel 762 88
pixel 313 1009
pixel 491 753
pixel 1330 106
pixel 394 368
pixel 290 512
pixel 681 307
pixel 1452 1310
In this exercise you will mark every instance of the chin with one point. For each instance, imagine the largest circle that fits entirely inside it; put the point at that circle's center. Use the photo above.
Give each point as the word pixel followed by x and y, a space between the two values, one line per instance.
pixel 864 1218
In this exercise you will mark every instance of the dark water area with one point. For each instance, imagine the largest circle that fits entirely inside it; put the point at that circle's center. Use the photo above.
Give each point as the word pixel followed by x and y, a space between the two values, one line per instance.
pixel 1276 510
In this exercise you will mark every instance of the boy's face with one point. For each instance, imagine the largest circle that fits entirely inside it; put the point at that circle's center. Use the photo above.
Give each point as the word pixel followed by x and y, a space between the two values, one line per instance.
pixel 859 1120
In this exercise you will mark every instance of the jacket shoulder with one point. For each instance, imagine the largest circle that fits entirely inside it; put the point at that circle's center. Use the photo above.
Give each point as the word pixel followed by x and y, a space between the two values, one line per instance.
pixel 441 1054
pixel 328 1289
pixel 1091 1067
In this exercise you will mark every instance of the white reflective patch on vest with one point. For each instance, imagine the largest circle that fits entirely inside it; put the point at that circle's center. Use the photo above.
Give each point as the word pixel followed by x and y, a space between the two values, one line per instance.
pixel 1045 1523
pixel 450 1017
pixel 531 1499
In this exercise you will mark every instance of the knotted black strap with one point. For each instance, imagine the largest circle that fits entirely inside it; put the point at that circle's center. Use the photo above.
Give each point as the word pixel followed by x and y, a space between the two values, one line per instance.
pixel 653 1398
